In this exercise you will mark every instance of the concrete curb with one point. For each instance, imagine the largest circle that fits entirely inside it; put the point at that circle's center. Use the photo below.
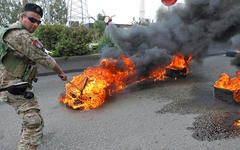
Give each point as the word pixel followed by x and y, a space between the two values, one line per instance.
pixel 71 64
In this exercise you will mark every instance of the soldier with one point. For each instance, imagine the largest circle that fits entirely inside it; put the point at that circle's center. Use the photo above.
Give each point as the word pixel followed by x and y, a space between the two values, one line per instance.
pixel 19 53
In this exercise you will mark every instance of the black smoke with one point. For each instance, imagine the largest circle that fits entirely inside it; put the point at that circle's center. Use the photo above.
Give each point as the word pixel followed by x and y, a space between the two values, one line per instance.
pixel 189 29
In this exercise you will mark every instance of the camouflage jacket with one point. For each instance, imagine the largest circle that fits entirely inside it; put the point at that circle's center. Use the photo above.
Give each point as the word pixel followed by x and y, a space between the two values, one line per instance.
pixel 24 44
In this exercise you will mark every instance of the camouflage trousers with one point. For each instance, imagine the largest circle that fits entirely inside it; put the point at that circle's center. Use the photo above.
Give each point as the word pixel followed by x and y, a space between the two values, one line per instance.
pixel 32 122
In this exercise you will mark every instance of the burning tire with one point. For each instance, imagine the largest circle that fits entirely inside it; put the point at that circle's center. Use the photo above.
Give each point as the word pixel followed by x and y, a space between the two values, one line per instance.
pixel 176 74
pixel 228 89
pixel 223 95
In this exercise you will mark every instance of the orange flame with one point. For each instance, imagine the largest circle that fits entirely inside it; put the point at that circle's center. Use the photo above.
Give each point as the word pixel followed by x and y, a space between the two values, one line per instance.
pixel 232 84
pixel 180 62
pixel 105 79
pixel 236 123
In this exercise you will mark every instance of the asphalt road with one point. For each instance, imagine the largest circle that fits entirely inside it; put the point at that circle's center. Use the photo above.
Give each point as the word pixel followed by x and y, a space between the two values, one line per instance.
pixel 169 115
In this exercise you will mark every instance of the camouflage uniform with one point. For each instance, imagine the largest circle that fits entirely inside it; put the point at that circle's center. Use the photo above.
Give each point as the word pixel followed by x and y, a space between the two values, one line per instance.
pixel 24 44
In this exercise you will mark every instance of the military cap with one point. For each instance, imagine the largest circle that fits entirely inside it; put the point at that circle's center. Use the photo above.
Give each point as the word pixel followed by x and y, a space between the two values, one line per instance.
pixel 34 8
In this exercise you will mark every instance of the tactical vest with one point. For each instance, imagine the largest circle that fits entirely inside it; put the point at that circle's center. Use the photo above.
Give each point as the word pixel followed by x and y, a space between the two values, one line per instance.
pixel 19 67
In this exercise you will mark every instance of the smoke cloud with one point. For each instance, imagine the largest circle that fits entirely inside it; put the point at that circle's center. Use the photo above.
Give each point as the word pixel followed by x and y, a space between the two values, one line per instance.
pixel 189 29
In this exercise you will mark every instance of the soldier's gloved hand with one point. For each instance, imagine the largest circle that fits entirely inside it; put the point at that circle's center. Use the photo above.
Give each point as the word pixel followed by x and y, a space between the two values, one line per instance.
pixel 63 76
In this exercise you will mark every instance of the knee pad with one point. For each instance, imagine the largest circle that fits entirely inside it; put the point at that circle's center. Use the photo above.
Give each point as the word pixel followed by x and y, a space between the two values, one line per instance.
pixel 32 120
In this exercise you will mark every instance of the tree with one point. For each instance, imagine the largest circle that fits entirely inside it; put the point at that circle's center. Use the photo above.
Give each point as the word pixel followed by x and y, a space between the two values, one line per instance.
pixel 10 10
pixel 143 22
pixel 58 11
pixel 99 26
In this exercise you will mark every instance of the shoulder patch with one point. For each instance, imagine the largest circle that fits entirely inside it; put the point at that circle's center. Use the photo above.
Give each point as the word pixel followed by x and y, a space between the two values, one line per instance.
pixel 37 44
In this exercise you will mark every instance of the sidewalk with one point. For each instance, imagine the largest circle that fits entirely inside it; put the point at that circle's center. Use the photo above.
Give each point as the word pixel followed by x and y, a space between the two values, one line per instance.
pixel 72 64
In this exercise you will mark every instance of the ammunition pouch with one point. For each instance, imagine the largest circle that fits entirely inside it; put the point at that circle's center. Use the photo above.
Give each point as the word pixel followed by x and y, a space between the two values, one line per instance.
pixel 17 89
pixel 30 73
pixel 28 95
pixel 20 89
pixel 20 67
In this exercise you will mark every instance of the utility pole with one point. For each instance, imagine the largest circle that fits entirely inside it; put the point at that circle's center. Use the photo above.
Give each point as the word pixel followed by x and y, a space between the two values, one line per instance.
pixel 142 11
pixel 78 12
pixel 48 12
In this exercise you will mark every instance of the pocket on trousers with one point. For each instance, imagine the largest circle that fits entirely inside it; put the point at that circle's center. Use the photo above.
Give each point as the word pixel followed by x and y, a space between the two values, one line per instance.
pixel 3 96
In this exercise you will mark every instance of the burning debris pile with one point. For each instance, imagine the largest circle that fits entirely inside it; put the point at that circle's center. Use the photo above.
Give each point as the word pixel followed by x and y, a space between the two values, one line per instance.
pixel 150 52
pixel 228 89
pixel 107 78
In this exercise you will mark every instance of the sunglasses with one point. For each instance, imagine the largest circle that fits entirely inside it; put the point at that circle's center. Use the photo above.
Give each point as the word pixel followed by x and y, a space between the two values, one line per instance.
pixel 33 20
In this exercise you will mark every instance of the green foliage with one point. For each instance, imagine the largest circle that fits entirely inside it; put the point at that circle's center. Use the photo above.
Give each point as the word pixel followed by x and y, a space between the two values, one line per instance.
pixel 74 41
pixel 105 41
pixel 64 41
pixel 100 17
pixel 58 11
pixel 144 22
pixel 49 35
pixel 102 39
pixel 99 26
pixel 10 10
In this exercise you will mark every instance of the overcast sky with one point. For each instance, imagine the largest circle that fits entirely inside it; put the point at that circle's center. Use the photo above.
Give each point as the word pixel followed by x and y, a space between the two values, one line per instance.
pixel 124 10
